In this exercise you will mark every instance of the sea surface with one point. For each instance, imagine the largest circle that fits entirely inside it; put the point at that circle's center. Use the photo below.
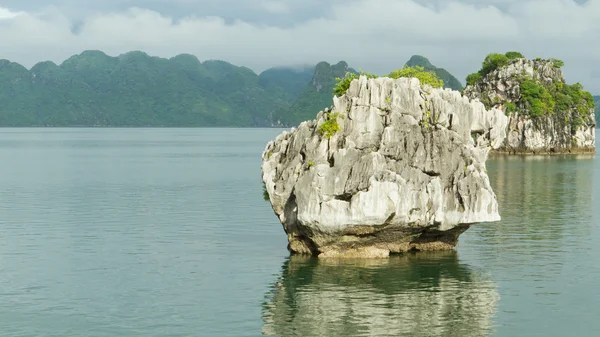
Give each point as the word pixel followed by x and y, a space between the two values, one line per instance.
pixel 164 232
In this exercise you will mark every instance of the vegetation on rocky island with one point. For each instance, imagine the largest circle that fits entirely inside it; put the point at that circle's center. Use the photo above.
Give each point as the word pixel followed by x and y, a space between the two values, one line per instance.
pixel 424 76
pixel 343 84
pixel 318 90
pixel 537 98
pixel 330 126
pixel 492 62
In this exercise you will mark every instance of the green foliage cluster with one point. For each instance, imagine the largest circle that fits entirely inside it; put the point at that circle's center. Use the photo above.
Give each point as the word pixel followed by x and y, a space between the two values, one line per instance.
pixel 343 84
pixel 511 55
pixel 473 78
pixel 492 62
pixel 330 126
pixel 557 63
pixel 424 76
pixel 539 99
pixel 510 107
pixel 574 95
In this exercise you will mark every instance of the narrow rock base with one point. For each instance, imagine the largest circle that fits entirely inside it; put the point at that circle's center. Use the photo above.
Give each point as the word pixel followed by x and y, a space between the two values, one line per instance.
pixel 525 151
pixel 377 244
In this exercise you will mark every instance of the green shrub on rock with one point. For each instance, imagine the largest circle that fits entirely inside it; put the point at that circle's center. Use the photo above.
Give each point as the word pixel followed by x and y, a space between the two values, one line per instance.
pixel 330 126
pixel 514 55
pixel 424 76
pixel 510 107
pixel 557 63
pixel 473 78
pixel 343 84
pixel 492 62
pixel 537 99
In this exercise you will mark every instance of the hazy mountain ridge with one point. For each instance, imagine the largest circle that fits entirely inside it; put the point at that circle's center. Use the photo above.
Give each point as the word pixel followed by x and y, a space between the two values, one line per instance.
pixel 317 94
pixel 135 89
pixel 449 80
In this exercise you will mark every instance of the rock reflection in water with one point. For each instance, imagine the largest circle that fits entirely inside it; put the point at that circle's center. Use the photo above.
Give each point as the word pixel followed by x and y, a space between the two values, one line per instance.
pixel 424 294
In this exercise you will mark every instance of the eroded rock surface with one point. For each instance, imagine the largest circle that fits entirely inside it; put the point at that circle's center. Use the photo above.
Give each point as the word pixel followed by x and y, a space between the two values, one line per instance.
pixel 571 129
pixel 402 173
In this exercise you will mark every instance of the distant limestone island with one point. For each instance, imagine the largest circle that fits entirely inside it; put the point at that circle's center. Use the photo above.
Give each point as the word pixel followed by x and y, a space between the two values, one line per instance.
pixel 542 113
pixel 138 90
pixel 397 163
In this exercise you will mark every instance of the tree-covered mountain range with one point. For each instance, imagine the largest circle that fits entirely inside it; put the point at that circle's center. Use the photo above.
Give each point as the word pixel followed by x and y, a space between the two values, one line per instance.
pixel 136 90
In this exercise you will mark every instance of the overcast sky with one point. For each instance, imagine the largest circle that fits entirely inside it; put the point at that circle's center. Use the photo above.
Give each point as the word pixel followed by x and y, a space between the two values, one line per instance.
pixel 372 35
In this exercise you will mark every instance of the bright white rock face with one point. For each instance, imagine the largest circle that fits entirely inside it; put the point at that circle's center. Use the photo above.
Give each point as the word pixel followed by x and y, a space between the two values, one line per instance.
pixel 402 173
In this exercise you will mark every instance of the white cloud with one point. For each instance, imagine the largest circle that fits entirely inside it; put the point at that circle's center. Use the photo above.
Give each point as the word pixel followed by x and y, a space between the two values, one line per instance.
pixel 373 35
pixel 8 14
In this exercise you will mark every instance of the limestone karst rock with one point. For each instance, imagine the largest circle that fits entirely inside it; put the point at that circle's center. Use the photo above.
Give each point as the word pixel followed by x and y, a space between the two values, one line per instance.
pixel 545 114
pixel 392 167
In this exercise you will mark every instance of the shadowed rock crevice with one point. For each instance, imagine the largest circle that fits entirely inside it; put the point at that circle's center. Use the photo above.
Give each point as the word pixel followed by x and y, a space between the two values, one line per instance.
pixel 360 241
pixel 394 177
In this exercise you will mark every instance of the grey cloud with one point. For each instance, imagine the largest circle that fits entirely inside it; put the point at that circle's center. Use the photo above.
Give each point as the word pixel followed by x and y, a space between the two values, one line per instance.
pixel 254 11
pixel 373 35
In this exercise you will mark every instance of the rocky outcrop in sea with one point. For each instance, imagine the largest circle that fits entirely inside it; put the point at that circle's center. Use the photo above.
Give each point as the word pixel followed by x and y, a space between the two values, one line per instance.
pixel 545 114
pixel 391 168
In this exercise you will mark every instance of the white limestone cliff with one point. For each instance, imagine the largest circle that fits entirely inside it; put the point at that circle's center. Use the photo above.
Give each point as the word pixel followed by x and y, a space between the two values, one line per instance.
pixel 402 173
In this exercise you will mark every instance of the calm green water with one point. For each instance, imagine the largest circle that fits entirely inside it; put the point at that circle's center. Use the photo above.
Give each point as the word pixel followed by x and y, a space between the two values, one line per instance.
pixel 164 232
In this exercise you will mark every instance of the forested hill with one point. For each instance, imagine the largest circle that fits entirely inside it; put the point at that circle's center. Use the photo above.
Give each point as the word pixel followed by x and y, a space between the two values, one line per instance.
pixel 449 80
pixel 135 89
pixel 317 93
